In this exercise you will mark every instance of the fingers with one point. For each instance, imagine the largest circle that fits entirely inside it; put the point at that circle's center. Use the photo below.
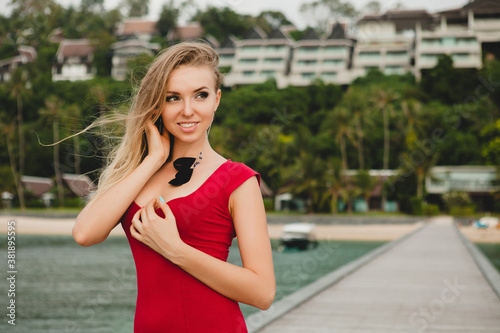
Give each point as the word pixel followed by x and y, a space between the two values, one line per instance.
pixel 169 216
pixel 136 226
pixel 149 210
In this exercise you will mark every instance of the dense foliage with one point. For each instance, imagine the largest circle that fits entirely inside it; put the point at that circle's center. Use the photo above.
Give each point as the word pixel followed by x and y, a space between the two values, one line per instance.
pixel 298 138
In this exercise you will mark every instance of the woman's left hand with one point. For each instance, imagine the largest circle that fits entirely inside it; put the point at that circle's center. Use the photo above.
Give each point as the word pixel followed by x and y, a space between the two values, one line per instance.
pixel 160 234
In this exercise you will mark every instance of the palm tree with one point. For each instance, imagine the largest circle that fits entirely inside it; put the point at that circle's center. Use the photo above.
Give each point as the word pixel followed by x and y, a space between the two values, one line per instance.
pixel 365 183
pixel 334 181
pixel 355 102
pixel 20 88
pixel 383 100
pixel 308 176
pixel 73 118
pixel 412 110
pixel 53 109
pixel 338 123
pixel 9 130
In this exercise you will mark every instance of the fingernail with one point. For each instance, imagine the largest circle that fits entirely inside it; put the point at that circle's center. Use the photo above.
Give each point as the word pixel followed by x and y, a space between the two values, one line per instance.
pixel 161 199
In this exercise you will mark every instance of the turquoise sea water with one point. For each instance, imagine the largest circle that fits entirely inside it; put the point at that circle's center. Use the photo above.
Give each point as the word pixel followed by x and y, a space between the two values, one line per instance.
pixel 62 287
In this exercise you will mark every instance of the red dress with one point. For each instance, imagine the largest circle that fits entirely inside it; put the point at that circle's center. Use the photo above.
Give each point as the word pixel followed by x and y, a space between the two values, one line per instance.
pixel 168 298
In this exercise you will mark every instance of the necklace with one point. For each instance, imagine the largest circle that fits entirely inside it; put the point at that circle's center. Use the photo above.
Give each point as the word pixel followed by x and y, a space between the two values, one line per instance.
pixel 185 167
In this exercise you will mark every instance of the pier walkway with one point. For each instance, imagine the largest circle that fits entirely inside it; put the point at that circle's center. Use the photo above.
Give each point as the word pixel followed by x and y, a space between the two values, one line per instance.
pixel 432 280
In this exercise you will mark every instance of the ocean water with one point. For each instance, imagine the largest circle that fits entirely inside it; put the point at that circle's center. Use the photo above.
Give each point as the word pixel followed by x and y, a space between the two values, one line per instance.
pixel 62 287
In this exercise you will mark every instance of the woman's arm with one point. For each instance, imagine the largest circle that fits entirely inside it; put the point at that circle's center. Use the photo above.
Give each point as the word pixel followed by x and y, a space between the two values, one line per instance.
pixel 254 283
pixel 100 216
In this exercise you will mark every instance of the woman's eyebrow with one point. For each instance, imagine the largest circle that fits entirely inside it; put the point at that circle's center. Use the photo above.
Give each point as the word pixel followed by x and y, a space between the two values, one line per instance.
pixel 176 93
pixel 201 88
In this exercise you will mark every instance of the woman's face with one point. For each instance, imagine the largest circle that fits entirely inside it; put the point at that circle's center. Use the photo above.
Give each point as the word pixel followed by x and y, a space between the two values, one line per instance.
pixel 191 103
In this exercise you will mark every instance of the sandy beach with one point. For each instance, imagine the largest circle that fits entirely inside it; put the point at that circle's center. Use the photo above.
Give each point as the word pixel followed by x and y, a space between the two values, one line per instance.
pixel 372 232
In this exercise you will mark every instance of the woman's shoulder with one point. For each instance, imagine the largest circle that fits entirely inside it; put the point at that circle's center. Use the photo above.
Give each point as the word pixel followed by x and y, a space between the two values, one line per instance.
pixel 239 169
pixel 236 174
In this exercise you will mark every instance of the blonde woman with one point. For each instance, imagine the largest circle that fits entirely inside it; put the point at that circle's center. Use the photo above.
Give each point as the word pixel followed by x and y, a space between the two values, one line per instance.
pixel 181 204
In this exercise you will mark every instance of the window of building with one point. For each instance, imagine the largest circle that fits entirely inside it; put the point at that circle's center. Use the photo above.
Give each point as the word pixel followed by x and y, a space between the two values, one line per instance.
pixel 369 55
pixel 268 74
pixel 335 49
pixel 431 42
pixel 449 41
pixel 466 41
pixel 429 57
pixel 308 49
pixel 307 62
pixel 370 68
pixel 273 60
pixel 248 61
pixel 250 48
pixel 308 75
pixel 226 57
pixel 460 56
pixel 248 73
pixel 275 47
pixel 394 70
pixel 328 76
pixel 396 54
pixel 333 62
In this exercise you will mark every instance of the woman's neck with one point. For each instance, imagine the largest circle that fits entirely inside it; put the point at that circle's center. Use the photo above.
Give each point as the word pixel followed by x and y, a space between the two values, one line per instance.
pixel 191 149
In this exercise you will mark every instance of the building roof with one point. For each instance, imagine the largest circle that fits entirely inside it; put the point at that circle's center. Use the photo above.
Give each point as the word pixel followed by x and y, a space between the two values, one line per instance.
pixel 25 54
pixel 211 40
pixel 136 43
pixel 229 42
pixel 403 19
pixel 338 32
pixel 254 33
pixel 37 185
pixel 81 185
pixel 451 13
pixel 132 26
pixel 483 6
pixel 191 31
pixel 277 33
pixel 310 34
pixel 75 48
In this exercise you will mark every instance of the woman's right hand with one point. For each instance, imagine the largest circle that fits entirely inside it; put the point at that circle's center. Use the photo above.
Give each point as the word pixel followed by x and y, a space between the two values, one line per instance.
pixel 158 144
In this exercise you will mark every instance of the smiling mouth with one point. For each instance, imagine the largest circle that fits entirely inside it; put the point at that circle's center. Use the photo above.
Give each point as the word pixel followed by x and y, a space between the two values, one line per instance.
pixel 187 125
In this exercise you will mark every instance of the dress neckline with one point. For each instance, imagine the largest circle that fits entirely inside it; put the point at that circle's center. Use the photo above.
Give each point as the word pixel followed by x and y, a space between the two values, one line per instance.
pixel 190 194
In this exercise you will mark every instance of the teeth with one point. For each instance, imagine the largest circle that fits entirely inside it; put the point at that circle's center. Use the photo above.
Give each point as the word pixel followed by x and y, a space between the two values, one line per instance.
pixel 187 125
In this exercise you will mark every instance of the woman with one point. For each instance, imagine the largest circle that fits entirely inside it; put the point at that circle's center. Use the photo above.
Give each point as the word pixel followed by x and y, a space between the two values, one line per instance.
pixel 181 204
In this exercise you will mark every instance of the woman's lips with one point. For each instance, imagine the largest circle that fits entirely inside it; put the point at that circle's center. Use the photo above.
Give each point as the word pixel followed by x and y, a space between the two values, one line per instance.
pixel 188 127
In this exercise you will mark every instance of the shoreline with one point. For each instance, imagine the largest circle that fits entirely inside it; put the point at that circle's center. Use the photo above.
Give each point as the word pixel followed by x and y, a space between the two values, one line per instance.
pixel 347 232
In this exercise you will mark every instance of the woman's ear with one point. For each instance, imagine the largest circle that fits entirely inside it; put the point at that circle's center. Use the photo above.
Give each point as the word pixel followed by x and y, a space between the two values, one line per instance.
pixel 217 101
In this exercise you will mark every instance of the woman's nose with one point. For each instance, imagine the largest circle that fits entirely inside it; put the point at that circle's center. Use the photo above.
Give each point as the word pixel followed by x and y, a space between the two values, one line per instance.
pixel 188 109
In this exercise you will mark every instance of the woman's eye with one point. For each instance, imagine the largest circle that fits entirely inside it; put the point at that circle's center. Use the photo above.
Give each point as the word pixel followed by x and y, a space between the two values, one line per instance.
pixel 172 99
pixel 202 95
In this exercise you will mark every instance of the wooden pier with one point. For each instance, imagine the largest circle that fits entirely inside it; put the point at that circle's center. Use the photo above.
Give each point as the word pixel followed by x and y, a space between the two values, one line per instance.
pixel 433 280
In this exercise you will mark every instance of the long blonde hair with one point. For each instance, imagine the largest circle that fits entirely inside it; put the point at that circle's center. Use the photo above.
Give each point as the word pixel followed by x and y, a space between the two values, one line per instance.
pixel 150 97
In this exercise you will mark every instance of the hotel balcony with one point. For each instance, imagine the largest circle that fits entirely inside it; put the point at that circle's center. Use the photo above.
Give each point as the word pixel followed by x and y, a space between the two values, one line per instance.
pixel 471 179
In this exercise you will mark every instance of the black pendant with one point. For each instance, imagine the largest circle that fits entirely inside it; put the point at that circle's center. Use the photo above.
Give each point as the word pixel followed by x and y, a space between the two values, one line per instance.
pixel 184 171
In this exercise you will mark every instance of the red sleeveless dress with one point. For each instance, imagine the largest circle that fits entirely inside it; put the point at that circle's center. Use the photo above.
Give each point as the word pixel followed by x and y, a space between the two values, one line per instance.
pixel 168 298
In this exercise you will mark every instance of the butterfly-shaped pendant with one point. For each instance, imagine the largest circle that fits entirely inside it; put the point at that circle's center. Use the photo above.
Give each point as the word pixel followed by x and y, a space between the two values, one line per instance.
pixel 184 170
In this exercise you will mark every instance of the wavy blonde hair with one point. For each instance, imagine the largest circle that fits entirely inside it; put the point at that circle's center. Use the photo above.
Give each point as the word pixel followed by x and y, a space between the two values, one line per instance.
pixel 150 96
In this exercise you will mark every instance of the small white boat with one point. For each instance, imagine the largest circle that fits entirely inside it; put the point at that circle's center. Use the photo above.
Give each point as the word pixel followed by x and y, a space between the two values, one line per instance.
pixel 298 235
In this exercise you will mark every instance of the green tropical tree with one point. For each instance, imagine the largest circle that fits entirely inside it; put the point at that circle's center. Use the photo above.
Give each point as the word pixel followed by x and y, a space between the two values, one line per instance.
pixel 53 112
pixel 20 90
pixel 383 102
pixel 420 157
pixel 321 11
pixel 334 181
pixel 8 129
